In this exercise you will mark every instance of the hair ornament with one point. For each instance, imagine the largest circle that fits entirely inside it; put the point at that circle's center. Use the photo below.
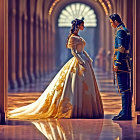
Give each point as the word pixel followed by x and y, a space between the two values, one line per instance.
pixel 74 21
pixel 82 18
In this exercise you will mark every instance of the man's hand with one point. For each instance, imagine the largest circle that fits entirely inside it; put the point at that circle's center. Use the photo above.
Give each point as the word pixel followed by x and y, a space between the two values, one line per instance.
pixel 115 68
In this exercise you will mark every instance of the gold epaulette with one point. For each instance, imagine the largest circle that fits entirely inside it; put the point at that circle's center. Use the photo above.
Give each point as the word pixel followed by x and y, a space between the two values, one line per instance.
pixel 118 28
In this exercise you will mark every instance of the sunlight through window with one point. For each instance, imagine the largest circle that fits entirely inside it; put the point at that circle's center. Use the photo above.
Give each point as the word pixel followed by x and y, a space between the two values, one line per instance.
pixel 77 10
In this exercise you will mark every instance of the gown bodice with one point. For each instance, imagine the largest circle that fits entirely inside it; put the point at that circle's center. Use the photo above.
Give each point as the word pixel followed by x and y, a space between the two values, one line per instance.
pixel 77 43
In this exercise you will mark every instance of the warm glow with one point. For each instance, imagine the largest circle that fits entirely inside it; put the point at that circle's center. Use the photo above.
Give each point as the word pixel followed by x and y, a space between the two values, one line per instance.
pixel 104 7
pixel 52 7
pixel 73 8
pixel 109 5
pixel 77 10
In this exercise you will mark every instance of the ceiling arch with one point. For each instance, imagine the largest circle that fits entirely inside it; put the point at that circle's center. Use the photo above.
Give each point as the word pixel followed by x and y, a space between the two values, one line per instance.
pixel 39 8
pixel 100 14
pixel 106 5
pixel 47 5
pixel 93 4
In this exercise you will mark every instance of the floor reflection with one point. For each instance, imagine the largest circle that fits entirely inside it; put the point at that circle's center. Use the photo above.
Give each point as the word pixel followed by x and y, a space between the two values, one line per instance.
pixel 88 129
pixel 70 129
pixel 129 130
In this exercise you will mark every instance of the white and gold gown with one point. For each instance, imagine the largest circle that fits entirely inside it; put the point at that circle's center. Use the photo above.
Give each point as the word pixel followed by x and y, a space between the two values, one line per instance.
pixel 73 93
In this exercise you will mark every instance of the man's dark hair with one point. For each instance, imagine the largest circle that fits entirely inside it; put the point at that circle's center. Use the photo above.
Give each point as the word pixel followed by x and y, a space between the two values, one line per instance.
pixel 116 17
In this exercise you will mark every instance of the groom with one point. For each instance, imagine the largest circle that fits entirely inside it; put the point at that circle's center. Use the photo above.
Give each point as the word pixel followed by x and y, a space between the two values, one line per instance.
pixel 121 66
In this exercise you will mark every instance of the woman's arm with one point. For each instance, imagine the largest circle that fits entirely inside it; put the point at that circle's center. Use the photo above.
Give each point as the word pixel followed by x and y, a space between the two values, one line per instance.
pixel 86 54
pixel 80 60
pixel 72 45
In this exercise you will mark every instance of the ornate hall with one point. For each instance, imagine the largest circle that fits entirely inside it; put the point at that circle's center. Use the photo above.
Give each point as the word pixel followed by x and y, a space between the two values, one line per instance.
pixel 33 49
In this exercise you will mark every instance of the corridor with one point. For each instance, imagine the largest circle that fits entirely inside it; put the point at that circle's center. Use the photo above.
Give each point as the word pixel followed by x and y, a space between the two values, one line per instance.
pixel 33 49
pixel 70 129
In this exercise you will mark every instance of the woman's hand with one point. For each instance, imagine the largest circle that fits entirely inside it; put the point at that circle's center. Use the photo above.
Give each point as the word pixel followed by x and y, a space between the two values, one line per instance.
pixel 84 65
pixel 90 60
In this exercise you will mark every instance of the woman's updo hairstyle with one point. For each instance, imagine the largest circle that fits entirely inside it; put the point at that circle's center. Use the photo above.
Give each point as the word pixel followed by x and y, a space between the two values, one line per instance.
pixel 74 27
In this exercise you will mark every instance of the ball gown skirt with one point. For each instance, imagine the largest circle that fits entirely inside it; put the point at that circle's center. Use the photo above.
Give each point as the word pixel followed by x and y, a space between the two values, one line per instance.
pixel 73 93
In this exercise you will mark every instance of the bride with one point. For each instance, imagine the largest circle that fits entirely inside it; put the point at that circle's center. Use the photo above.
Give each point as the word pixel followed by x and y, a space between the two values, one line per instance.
pixel 73 93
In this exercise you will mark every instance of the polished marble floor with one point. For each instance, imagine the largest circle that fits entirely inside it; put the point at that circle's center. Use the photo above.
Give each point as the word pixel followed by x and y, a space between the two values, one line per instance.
pixel 25 95
pixel 70 129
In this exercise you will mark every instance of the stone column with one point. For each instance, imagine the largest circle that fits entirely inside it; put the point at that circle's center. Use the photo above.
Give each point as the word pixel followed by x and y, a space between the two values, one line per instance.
pixel 121 9
pixel 19 75
pixel 114 6
pixel 129 16
pixel 24 50
pixel 35 45
pixel 125 11
pixel 111 46
pixel 30 48
pixel 49 49
pixel 12 47
pixel 53 50
pixel 136 56
pixel 45 47
pixel 37 48
pixel 104 46
pixel 108 51
pixel 99 59
pixel 3 59
pixel 118 6
pixel 41 49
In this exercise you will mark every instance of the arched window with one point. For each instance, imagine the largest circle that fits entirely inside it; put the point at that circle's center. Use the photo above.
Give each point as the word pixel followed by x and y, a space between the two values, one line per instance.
pixel 77 10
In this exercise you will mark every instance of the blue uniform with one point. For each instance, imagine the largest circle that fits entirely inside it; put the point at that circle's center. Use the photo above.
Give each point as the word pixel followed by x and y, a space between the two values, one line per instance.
pixel 121 59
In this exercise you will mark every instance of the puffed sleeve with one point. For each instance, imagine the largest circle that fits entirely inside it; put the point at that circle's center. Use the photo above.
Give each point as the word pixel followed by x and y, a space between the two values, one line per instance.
pixel 121 34
pixel 73 41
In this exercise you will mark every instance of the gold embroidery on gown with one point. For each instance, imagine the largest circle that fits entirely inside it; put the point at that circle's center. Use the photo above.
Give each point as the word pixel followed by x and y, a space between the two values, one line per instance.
pixel 73 93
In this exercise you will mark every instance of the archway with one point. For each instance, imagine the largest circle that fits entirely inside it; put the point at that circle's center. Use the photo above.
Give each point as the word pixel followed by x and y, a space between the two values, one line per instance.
pixel 90 33
pixel 100 7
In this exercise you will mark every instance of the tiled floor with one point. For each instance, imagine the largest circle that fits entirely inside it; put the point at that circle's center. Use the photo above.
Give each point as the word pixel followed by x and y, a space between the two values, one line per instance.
pixel 70 129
